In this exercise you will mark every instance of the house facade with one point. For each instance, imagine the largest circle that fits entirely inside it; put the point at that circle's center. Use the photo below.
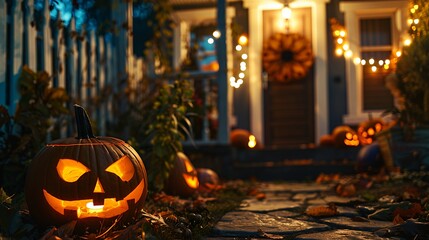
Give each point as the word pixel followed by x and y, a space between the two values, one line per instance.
pixel 337 89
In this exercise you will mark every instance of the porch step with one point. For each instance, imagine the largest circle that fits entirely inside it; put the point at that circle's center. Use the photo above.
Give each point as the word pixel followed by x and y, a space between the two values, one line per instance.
pixel 274 164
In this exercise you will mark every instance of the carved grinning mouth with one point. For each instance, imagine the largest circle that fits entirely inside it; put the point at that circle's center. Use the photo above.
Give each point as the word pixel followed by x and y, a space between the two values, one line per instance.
pixel 85 208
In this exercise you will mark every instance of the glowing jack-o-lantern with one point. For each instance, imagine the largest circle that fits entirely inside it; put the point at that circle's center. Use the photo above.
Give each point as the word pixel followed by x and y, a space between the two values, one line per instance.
pixel 90 179
pixel 241 138
pixel 345 136
pixel 368 130
pixel 183 179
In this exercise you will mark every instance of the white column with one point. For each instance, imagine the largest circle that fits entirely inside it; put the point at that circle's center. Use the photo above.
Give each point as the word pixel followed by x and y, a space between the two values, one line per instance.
pixel 255 70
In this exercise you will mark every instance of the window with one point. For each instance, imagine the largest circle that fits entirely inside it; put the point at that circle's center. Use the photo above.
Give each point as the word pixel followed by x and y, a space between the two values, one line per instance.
pixel 376 43
pixel 375 31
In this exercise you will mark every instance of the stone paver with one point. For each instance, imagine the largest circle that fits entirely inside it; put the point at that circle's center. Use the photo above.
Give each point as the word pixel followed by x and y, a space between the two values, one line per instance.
pixel 282 213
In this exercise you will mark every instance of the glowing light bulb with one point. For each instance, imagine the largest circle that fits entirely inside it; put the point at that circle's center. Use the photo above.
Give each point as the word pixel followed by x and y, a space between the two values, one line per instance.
pixel 339 51
pixel 241 75
pixel 210 40
pixel 216 34
pixel 238 48
pixel 346 46
pixel 340 41
pixel 407 42
pixel 243 40
pixel 381 62
pixel 342 33
pixel 371 61
pixel 410 21
pixel 398 53
pixel 363 62
pixel 348 54
pixel 412 10
pixel 244 56
pixel 374 69
pixel 387 61
pixel 416 21
pixel 337 33
pixel 356 60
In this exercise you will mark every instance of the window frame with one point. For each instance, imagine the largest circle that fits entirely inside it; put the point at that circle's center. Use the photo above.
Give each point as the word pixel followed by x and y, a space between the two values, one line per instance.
pixel 353 12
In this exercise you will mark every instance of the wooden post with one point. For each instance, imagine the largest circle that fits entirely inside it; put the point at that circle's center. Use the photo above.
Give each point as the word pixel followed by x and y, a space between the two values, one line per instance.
pixel 223 131
pixel 30 33
pixel 46 36
pixel 15 55
pixel 3 28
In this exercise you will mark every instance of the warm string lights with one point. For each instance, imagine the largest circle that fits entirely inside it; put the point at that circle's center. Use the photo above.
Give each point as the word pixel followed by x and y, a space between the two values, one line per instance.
pixel 414 21
pixel 342 48
pixel 241 52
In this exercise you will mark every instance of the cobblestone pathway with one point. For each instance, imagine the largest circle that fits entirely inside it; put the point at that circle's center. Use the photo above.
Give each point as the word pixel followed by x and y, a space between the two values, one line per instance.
pixel 281 215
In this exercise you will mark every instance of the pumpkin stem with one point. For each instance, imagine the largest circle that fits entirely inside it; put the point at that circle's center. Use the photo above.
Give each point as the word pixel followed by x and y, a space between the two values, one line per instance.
pixel 83 124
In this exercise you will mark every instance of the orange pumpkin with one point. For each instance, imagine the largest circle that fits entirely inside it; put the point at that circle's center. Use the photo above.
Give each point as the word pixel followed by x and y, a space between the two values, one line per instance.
pixel 208 179
pixel 94 180
pixel 367 130
pixel 241 138
pixel 326 141
pixel 183 179
pixel 345 136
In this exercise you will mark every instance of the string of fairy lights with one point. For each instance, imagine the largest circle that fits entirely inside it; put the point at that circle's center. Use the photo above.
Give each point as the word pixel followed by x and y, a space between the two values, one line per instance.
pixel 342 44
pixel 242 53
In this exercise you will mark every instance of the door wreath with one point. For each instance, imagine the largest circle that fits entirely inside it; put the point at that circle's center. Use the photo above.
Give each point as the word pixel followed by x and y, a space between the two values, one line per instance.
pixel 287 57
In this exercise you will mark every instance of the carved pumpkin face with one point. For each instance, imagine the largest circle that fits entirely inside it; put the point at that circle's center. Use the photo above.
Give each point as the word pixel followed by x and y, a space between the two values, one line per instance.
pixel 85 178
pixel 183 179
pixel 367 130
pixel 345 136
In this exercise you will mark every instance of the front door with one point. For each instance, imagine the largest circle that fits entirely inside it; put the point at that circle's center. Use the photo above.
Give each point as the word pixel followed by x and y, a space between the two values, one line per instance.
pixel 289 106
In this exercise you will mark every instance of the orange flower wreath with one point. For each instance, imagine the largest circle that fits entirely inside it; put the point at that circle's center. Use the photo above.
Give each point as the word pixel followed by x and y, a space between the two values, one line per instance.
pixel 287 57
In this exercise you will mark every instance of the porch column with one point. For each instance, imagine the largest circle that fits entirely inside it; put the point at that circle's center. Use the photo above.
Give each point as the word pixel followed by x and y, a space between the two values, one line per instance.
pixel 223 132
pixel 255 69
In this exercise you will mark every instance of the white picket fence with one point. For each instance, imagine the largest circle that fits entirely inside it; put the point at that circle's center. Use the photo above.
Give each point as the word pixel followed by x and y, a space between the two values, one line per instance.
pixel 82 62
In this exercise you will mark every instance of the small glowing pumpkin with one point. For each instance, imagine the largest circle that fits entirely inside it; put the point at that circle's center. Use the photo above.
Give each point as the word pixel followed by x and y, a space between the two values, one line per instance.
pixel 345 136
pixel 241 138
pixel 93 180
pixel 183 178
pixel 368 130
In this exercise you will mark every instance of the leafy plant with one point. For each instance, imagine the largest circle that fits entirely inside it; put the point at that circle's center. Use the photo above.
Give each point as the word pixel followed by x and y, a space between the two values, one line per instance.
pixel 25 133
pixel 165 125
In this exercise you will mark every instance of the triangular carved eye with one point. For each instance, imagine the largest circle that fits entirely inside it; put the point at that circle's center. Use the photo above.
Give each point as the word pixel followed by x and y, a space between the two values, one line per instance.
pixel 123 168
pixel 71 170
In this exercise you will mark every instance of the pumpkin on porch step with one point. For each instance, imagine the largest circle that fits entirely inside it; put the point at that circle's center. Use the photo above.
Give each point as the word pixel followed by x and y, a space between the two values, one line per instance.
pixel 326 141
pixel 183 179
pixel 345 136
pixel 241 138
pixel 94 180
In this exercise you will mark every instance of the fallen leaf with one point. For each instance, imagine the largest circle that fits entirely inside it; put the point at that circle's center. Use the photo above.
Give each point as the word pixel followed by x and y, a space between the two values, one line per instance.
pixel 322 211
pixel 407 213
pixel 261 196
pixel 398 220
pixel 346 190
